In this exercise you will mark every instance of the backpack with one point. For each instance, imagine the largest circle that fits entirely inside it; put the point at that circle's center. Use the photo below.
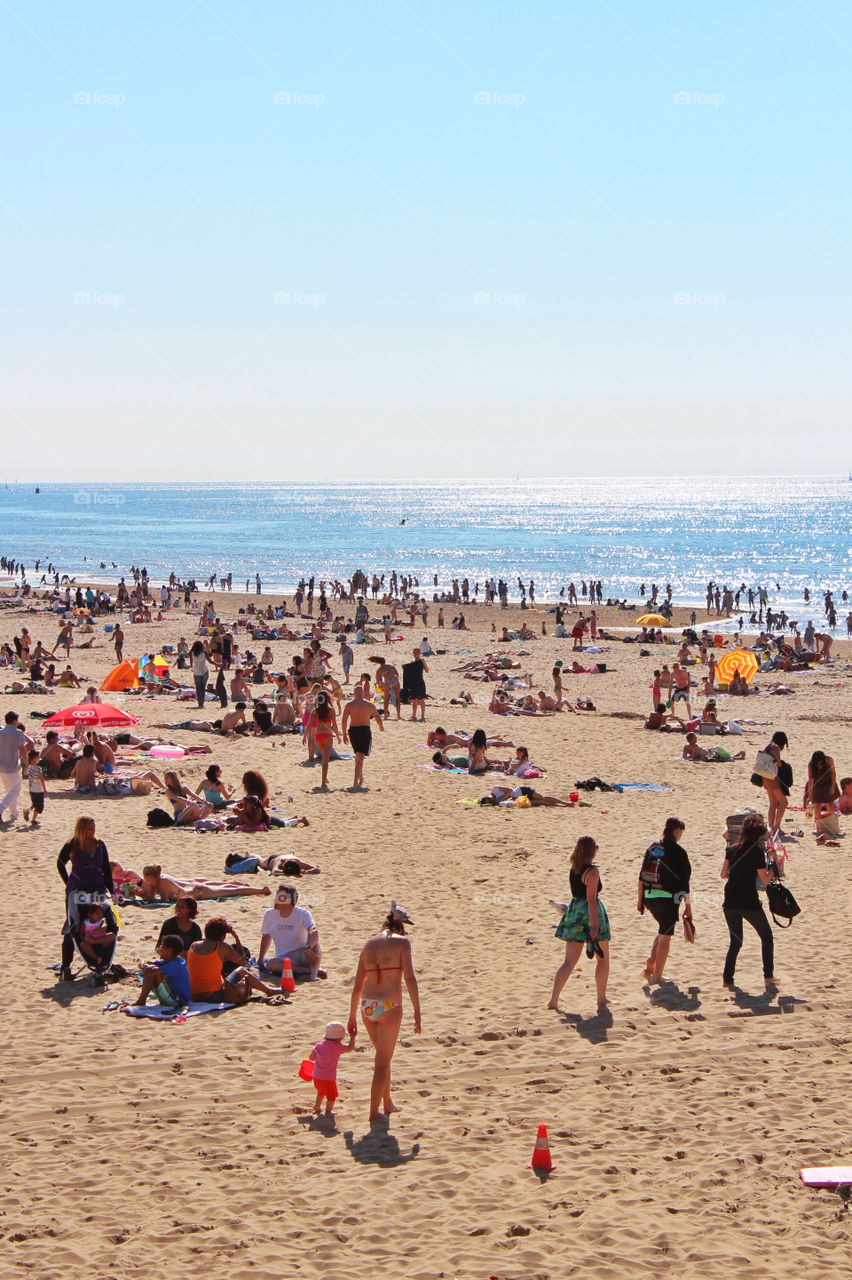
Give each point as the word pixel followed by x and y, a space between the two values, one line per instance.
pixel 649 874
pixel 159 818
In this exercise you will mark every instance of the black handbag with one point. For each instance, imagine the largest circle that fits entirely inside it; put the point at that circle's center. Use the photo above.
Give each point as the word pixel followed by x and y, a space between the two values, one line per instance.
pixel 781 903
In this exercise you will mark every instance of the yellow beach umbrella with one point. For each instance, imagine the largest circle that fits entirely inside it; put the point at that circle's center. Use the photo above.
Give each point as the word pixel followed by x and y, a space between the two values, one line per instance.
pixel 652 620
pixel 742 660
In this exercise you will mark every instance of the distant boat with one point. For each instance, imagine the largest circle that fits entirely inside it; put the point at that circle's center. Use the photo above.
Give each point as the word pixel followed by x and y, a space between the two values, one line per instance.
pixel 39 490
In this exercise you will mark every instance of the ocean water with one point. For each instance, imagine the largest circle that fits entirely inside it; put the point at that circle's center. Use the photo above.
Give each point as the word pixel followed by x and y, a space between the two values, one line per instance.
pixel 793 532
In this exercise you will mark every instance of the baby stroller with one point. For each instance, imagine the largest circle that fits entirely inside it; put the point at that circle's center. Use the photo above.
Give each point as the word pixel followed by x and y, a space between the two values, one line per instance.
pixel 97 956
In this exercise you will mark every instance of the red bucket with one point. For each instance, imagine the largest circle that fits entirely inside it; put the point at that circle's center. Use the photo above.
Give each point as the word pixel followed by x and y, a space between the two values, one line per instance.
pixel 306 1069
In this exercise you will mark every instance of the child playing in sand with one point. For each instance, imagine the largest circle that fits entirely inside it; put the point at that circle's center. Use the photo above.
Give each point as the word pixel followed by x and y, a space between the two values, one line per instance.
pixel 35 782
pixel 326 1056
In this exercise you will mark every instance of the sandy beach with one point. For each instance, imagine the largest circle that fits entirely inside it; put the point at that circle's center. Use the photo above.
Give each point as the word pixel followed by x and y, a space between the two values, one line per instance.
pixel 677 1126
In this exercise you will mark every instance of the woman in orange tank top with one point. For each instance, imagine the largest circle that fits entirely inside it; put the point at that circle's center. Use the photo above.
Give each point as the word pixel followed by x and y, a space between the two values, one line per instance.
pixel 205 960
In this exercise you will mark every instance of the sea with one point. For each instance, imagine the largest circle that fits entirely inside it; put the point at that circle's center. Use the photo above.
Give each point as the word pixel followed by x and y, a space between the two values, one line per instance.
pixel 784 533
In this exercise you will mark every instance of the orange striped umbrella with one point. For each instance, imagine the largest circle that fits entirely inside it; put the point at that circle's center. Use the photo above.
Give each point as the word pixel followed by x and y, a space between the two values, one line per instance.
pixel 742 660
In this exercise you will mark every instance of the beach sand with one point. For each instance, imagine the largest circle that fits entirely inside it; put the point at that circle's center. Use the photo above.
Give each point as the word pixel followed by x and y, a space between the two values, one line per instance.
pixel 677 1128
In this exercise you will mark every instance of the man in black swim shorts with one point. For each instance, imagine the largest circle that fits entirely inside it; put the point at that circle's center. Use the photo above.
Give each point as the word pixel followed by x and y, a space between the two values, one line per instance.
pixel 357 730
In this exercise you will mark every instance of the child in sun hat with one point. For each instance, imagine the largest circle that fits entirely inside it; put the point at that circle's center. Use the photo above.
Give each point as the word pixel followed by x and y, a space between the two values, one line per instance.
pixel 325 1057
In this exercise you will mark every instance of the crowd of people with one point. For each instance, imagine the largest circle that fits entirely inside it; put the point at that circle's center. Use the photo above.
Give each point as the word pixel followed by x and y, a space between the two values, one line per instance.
pixel 262 696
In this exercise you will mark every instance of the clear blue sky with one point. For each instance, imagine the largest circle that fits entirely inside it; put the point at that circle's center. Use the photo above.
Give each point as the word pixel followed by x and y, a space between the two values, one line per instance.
pixel 478 239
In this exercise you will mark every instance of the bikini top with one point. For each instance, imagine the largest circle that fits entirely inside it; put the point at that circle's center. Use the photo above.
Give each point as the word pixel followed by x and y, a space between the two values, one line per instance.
pixel 377 969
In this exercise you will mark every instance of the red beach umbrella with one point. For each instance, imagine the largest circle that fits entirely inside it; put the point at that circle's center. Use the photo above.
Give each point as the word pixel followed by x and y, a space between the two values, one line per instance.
pixel 92 715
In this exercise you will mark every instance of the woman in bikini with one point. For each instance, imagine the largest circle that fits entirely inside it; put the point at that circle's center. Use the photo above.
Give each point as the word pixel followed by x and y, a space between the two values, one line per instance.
pixel 188 807
pixel 382 965
pixel 157 884
pixel 214 790
pixel 322 725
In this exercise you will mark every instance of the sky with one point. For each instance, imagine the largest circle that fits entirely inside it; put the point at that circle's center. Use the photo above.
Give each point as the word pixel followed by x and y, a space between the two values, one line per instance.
pixel 348 239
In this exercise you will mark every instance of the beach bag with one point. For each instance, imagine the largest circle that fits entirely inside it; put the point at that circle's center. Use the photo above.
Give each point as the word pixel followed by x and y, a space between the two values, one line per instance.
pixel 828 825
pixel 781 903
pixel 159 818
pixel 765 765
pixel 649 874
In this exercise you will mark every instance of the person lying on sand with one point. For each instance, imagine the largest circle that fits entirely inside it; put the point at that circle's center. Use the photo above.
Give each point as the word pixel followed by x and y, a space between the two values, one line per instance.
pixel 508 795
pixel 158 884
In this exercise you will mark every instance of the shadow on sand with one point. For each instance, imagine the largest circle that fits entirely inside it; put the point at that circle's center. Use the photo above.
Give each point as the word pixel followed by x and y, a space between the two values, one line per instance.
pixel 378 1146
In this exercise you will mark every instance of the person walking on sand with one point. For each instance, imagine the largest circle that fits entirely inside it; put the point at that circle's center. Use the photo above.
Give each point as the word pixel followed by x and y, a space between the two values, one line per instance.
pixel 357 730
pixel 14 746
pixel 584 922
pixel 663 886
pixel 325 1057
pixel 322 729
pixel 744 865
pixel 383 964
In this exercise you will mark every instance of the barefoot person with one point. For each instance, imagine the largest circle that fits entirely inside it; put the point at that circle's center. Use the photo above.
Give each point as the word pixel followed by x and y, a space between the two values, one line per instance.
pixel 156 883
pixel 293 935
pixel 414 685
pixel 322 729
pixel 584 922
pixel 663 886
pixel 357 730
pixel 382 965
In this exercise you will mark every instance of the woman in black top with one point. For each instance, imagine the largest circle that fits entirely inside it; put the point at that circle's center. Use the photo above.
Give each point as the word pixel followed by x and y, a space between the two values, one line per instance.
pixel 89 880
pixel 584 922
pixel 741 870
pixel 663 900
pixel 183 923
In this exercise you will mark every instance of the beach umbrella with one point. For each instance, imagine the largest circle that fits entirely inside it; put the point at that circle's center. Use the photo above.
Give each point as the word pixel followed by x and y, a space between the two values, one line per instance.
pixel 652 620
pixel 742 660
pixel 91 715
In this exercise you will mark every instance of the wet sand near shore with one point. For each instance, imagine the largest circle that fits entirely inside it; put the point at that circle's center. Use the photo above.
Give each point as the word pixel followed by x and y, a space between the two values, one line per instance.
pixel 677 1122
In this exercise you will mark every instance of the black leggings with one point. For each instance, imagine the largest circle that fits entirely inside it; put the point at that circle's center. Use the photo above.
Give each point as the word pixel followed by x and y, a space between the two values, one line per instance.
pixel 758 921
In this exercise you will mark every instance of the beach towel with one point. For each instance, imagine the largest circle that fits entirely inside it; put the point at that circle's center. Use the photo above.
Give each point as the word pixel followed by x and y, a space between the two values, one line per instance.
pixel 161 1014
pixel 642 786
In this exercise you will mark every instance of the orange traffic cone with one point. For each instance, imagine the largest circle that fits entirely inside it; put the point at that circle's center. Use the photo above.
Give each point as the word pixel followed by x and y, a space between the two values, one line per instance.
pixel 288 982
pixel 541 1153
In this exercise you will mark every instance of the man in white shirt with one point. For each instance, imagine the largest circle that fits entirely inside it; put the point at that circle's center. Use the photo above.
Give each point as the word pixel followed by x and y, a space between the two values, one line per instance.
pixel 293 934
pixel 13 759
